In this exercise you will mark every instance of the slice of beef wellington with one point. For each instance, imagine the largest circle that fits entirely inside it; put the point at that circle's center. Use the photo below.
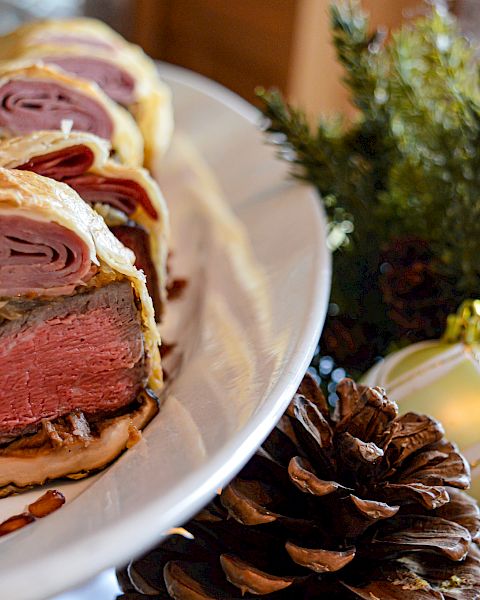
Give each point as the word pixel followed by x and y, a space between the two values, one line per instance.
pixel 91 50
pixel 127 197
pixel 37 97
pixel 79 349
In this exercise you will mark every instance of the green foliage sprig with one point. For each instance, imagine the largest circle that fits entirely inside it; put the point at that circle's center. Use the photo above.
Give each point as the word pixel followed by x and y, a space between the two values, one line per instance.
pixel 408 166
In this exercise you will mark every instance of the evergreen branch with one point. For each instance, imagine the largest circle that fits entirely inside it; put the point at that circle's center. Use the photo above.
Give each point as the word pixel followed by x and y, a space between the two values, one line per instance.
pixel 295 140
pixel 410 165
pixel 359 52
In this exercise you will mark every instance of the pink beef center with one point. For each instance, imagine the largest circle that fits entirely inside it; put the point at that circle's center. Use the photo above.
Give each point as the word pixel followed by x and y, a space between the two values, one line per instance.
pixel 28 105
pixel 114 81
pixel 84 352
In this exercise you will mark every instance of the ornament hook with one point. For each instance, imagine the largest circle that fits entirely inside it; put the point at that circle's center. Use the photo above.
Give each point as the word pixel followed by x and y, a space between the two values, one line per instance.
pixel 464 325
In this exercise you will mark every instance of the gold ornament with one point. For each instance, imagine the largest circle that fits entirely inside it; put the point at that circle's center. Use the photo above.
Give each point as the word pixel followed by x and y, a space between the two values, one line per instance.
pixel 441 378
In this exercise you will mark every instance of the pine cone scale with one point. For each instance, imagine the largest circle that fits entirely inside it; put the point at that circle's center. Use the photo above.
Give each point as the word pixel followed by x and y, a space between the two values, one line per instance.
pixel 249 579
pixel 365 412
pixel 459 581
pixel 280 446
pixel 309 389
pixel 442 465
pixel 424 533
pixel 319 560
pixel 395 584
pixel 300 473
pixel 243 508
pixel 356 452
pixel 429 496
pixel 410 433
pixel 181 585
pixel 463 510
pixel 373 510
pixel 312 421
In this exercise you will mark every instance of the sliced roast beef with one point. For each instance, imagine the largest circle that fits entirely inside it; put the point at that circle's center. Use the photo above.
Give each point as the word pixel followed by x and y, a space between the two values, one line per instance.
pixel 136 238
pixel 77 353
pixel 58 165
pixel 40 258
pixel 28 105
pixel 114 81
pixel 123 194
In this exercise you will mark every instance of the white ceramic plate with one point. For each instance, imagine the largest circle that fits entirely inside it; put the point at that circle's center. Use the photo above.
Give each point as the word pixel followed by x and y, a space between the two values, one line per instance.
pixel 246 328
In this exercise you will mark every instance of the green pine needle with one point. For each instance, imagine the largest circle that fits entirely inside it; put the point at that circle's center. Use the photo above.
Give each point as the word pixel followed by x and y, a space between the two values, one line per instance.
pixel 410 164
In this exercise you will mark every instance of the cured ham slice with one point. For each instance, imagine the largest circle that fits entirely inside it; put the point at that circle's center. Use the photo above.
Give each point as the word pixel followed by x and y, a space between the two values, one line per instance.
pixel 37 97
pixel 61 164
pixel 128 198
pixel 71 165
pixel 40 258
pixel 31 104
pixel 89 49
pixel 114 81
pixel 136 238
pixel 125 195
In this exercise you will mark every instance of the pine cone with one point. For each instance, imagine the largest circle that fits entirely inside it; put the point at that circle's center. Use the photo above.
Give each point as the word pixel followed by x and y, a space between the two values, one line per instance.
pixel 353 343
pixel 360 504
pixel 418 297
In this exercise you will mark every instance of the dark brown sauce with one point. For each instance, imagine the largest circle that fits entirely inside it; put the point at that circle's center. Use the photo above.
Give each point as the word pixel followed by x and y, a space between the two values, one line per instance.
pixel 166 349
pixel 176 288
pixel 15 522
pixel 48 503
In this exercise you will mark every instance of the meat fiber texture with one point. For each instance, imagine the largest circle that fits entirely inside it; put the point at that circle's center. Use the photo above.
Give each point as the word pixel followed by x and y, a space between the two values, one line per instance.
pixel 78 353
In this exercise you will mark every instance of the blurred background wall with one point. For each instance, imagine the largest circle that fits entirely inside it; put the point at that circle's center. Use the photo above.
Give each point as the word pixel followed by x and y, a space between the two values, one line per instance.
pixel 245 43
pixel 240 43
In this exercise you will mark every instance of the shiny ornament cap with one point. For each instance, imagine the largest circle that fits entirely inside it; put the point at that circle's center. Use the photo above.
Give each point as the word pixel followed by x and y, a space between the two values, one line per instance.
pixel 464 326
pixel 442 378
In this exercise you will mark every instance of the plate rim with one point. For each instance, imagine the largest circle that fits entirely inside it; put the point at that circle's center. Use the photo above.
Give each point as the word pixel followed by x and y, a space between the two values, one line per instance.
pixel 235 454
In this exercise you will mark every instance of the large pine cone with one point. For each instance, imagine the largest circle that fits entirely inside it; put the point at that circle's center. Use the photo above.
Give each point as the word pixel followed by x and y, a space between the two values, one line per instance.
pixel 361 504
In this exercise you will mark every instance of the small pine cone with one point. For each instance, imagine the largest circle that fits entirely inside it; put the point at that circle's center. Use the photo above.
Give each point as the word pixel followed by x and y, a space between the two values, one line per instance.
pixel 417 296
pixel 359 504
pixel 353 343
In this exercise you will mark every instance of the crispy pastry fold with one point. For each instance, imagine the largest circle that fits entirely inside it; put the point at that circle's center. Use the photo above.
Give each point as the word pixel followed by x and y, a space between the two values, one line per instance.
pixel 89 49
pixel 37 97
pixel 127 197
